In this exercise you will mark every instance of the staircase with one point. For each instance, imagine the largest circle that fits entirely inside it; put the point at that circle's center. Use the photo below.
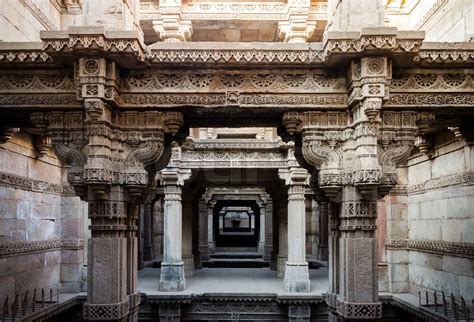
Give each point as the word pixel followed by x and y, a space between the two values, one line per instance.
pixel 236 259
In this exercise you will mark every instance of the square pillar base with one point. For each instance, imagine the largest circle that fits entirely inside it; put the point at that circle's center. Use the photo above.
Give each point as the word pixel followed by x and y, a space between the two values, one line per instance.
pixel 297 277
pixel 172 277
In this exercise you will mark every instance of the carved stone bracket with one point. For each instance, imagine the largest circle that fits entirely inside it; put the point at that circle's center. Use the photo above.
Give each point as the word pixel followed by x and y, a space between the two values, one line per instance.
pixel 329 143
pixel 108 147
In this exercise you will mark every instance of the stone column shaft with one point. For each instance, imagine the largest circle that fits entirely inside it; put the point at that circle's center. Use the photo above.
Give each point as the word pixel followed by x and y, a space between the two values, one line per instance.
pixel 172 268
pixel 323 231
pixel 203 230
pixel 358 278
pixel 296 271
pixel 210 229
pixel 268 230
pixel 261 235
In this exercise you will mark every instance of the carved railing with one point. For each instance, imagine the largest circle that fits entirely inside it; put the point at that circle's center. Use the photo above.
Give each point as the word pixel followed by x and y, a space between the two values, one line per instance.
pixel 23 305
pixel 447 308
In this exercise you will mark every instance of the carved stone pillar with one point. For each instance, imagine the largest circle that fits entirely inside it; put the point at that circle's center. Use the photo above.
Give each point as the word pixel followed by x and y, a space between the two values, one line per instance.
pixel 210 226
pixel 107 284
pixel 172 268
pixel 261 233
pixel 323 231
pixel 356 153
pixel 282 256
pixel 148 247
pixel 188 257
pixel 203 230
pixel 268 247
pixel 296 269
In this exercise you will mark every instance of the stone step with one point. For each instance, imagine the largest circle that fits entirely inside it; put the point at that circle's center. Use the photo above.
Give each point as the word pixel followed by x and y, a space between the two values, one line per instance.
pixel 241 255
pixel 235 263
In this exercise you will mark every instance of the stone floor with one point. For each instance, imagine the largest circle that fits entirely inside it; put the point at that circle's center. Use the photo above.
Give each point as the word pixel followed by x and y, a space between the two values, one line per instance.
pixel 232 281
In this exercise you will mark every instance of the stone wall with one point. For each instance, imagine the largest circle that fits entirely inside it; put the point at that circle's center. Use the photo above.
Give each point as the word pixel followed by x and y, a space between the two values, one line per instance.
pixel 41 222
pixel 431 222
pixel 22 20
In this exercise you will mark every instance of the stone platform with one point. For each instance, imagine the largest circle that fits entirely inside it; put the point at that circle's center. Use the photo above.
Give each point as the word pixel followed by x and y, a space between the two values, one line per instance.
pixel 232 281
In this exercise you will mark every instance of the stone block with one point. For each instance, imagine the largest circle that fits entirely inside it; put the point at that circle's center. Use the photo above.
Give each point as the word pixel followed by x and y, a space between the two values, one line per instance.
pixel 8 287
pixel 398 272
pixel 419 173
pixel 53 258
pixel 458 230
pixel 17 235
pixel 433 209
pixel 70 287
pixel 432 261
pixel 413 211
pixel 71 273
pixel 466 288
pixel 425 229
pixel 457 265
pixel 399 287
pixel 446 281
pixel 397 229
pixel 70 256
pixel 397 256
pixel 447 164
pixel 461 207
pixel 71 228
pixel 47 277
pixel 39 229
pixel 7 224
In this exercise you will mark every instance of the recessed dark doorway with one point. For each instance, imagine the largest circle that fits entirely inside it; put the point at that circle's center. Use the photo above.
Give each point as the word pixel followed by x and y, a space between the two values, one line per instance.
pixel 236 223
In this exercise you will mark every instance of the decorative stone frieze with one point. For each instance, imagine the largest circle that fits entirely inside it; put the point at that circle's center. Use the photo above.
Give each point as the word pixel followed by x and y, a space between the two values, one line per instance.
pixel 454 180
pixel 30 247
pixel 28 184
pixel 439 247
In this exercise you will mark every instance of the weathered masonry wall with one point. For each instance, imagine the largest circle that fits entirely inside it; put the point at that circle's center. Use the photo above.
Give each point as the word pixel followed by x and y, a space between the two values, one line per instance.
pixel 41 223
pixel 431 223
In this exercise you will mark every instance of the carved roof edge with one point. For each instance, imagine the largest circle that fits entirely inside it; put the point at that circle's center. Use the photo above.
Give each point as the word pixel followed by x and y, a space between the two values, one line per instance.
pixel 129 50
pixel 126 47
